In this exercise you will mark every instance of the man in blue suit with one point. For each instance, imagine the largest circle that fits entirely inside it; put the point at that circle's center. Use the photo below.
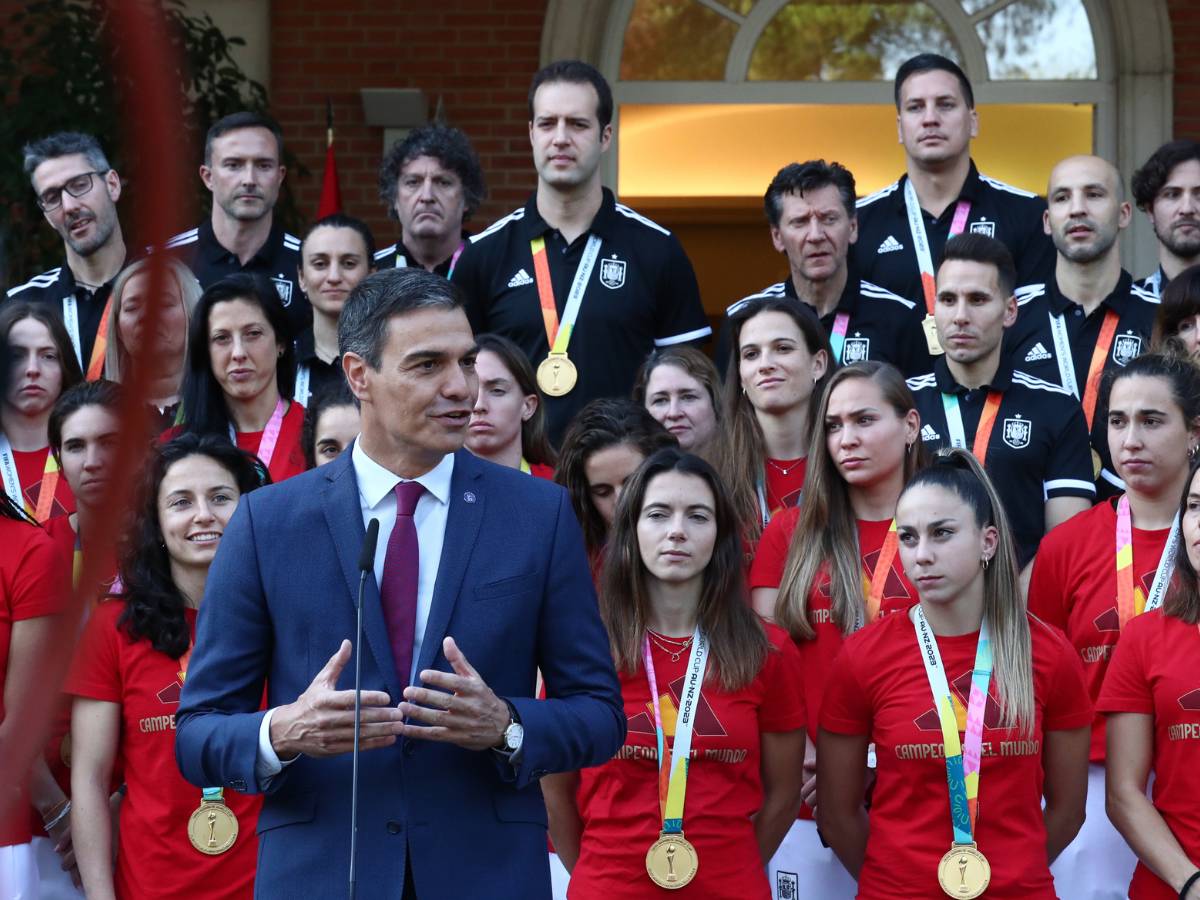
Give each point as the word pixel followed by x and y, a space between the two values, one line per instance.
pixel 449 801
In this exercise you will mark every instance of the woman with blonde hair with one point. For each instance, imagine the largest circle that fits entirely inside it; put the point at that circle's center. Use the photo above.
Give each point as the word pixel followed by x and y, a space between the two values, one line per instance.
pixel 681 388
pixel 163 353
pixel 977 713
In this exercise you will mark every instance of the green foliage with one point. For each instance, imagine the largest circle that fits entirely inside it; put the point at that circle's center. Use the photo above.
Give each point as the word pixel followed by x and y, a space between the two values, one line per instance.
pixel 60 62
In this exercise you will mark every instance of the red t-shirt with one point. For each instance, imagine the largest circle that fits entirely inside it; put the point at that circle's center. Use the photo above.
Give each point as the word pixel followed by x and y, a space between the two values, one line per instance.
pixel 31 467
pixel 878 688
pixel 160 861
pixel 783 491
pixel 618 801
pixel 1074 587
pixel 818 654
pixel 287 459
pixel 1156 672
pixel 541 470
pixel 31 586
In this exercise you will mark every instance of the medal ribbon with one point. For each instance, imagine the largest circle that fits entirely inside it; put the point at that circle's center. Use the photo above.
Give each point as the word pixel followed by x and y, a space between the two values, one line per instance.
pixel 883 568
pixel 95 367
pixel 525 467
pixel 1066 363
pixel 266 446
pixel 558 334
pixel 673 763
pixel 962 759
pixel 837 337
pixel 208 794
pixel 454 260
pixel 983 431
pixel 12 482
pixel 916 225
pixel 1126 596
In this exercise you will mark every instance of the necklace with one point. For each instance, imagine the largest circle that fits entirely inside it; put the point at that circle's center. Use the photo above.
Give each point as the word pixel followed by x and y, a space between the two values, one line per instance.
pixel 675 647
pixel 784 469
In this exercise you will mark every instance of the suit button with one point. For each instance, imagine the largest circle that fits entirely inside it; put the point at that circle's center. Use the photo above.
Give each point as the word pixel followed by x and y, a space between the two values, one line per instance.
pixel 394 827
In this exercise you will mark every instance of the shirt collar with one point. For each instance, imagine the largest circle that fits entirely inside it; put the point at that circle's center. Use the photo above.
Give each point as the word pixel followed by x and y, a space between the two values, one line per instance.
pixel 1118 300
pixel 214 251
pixel 375 482
pixel 603 224
pixel 970 190
pixel 1001 381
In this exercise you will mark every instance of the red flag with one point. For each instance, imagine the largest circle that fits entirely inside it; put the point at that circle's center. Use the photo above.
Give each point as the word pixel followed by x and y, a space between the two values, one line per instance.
pixel 331 193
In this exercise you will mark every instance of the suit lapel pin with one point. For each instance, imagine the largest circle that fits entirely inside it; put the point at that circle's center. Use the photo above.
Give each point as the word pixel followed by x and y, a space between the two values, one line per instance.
pixel 469 497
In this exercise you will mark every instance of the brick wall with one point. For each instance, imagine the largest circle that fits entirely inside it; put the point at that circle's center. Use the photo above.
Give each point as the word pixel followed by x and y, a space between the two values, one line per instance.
pixel 476 55
pixel 1185 34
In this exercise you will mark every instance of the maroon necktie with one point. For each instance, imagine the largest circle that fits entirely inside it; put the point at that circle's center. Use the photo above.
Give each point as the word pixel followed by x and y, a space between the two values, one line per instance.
pixel 398 592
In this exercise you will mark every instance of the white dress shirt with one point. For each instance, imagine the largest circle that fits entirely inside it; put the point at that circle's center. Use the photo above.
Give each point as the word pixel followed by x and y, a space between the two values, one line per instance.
pixel 377 499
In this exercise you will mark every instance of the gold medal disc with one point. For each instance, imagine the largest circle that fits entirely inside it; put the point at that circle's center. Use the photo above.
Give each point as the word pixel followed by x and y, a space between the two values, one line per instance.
pixel 213 828
pixel 557 375
pixel 1096 464
pixel 931 335
pixel 672 862
pixel 964 872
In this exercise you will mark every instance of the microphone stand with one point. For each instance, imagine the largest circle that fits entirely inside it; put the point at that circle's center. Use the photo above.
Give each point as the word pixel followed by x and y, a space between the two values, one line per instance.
pixel 366 564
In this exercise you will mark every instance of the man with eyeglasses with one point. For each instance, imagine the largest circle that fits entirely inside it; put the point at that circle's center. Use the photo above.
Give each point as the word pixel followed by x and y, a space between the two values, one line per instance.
pixel 77 191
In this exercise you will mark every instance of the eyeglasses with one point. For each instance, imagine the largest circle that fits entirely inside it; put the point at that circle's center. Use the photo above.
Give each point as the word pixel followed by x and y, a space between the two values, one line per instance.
pixel 76 187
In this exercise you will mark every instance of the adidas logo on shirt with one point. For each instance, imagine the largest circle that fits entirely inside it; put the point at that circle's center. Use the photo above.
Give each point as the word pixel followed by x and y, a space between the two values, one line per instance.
pixel 928 433
pixel 891 245
pixel 1037 354
pixel 521 278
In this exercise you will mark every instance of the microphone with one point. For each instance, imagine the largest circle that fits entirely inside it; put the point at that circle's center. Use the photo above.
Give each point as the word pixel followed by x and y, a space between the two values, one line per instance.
pixel 366 566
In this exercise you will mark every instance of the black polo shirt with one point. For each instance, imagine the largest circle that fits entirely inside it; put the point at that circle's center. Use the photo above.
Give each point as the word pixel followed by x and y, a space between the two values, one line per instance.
pixel 320 373
pixel 883 326
pixel 397 256
pixel 55 286
pixel 887 257
pixel 1154 284
pixel 278 259
pixel 1038 448
pixel 642 294
pixel 1029 344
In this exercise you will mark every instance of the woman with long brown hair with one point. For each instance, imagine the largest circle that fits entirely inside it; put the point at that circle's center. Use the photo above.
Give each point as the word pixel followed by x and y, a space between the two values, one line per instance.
pixel 780 357
pixel 1151 696
pixel 702 681
pixel 953 812
pixel 830 566
pixel 681 388
pixel 508 421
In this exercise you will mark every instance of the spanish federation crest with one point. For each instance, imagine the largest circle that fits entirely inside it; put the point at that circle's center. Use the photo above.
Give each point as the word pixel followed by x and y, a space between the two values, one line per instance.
pixel 856 349
pixel 984 227
pixel 612 272
pixel 1017 432
pixel 283 287
pixel 1126 347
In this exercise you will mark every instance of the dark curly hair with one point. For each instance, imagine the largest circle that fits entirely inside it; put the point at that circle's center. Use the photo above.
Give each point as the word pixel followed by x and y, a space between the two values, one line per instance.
pixel 608 422
pixel 447 145
pixel 1150 178
pixel 153 606
pixel 336 393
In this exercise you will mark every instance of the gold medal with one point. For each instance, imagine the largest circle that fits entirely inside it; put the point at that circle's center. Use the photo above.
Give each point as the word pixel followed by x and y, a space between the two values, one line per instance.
pixel 931 335
pixel 671 861
pixel 213 827
pixel 556 375
pixel 964 872
pixel 1096 464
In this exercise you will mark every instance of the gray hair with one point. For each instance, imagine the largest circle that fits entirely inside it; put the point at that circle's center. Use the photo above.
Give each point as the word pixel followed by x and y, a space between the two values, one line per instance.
pixel 362 326
pixel 64 143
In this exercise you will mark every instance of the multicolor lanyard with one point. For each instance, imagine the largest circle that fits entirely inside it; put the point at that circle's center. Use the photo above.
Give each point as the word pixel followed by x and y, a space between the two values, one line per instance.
pixel 454 259
pixel 95 367
pixel 983 431
pixel 525 467
pixel 12 482
pixel 558 334
pixel 303 377
pixel 916 225
pixel 1066 363
pixel 837 337
pixel 673 762
pixel 879 577
pixel 1127 606
pixel 963 760
pixel 270 435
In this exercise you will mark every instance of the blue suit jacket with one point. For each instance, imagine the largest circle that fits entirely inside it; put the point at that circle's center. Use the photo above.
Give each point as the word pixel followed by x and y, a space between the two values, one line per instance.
pixel 515 592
